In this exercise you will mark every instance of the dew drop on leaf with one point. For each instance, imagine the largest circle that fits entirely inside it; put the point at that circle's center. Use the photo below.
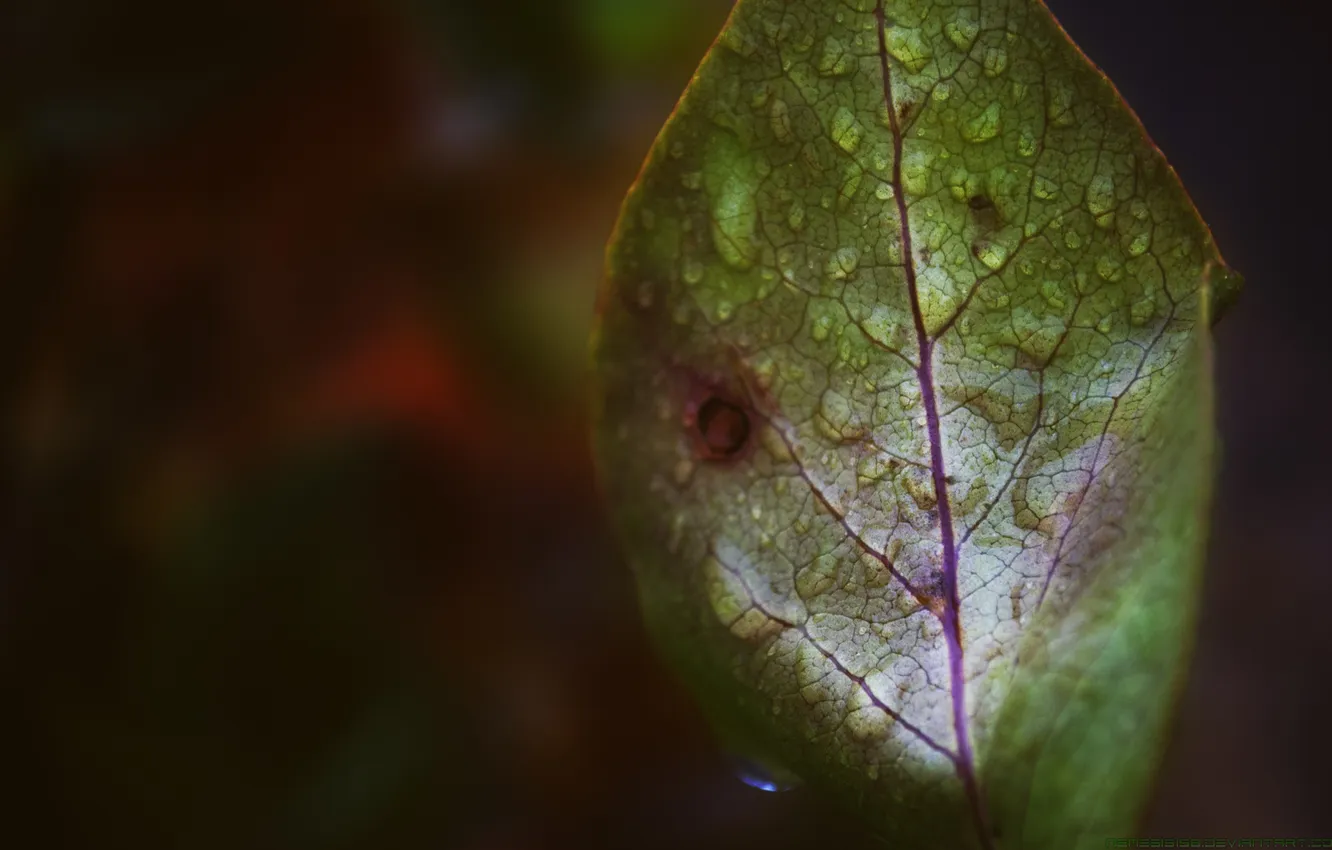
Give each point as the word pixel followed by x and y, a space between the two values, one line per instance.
pixel 985 126
pixel 691 271
pixel 835 60
pixel 780 117
pixel 962 31
pixel 995 61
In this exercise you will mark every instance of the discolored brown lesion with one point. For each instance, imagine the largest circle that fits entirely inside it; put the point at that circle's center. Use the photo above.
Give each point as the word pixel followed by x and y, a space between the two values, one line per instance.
pixel 984 214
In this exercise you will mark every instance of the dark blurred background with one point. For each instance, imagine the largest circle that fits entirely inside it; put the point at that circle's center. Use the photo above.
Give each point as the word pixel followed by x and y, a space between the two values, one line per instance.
pixel 299 543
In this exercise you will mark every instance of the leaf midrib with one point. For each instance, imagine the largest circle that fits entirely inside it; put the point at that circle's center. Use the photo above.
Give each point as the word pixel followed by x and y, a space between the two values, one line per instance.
pixel 950 616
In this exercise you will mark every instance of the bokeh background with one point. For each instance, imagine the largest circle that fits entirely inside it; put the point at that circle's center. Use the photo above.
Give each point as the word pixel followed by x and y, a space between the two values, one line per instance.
pixel 299 542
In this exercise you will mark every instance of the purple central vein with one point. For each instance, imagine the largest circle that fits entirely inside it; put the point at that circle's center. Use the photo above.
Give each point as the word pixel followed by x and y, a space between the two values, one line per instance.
pixel 966 765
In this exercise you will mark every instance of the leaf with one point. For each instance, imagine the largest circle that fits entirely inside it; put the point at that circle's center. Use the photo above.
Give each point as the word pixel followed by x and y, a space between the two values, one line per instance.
pixel 904 415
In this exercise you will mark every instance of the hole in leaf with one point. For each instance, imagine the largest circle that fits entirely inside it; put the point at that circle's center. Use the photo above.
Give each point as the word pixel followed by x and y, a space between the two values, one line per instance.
pixel 722 428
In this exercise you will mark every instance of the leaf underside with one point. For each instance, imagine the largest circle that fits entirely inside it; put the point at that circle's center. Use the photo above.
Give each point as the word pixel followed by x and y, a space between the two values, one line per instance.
pixel 963 302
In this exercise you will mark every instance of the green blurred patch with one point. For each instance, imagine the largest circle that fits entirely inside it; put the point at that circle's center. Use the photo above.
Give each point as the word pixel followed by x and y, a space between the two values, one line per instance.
pixel 257 694
pixel 634 34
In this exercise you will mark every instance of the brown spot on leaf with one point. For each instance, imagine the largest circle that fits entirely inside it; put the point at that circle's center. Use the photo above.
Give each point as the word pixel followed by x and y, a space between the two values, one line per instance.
pixel 930 589
pixel 722 428
pixel 984 213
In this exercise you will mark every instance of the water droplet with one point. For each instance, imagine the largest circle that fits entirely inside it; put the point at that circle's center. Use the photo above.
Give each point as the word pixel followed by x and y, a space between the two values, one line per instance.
pixel 1045 188
pixel 995 61
pixel 1140 244
pixel 818 330
pixel 963 31
pixel 1072 240
pixel 884 191
pixel 795 217
pixel 764 778
pixel 992 254
pixel 1143 311
pixel 691 179
pixel 908 396
pixel 850 185
pixel 1101 194
pixel 734 220
pixel 677 150
pixel 845 130
pixel 724 311
pixel 984 126
pixel 916 170
pixel 1026 144
pixel 1053 294
pixel 882 159
pixel 779 114
pixel 1059 109
pixel 737 41
pixel 835 414
pixel 691 271
pixel 1139 209
pixel 942 91
pixel 835 61
pixel 1109 268
pixel 907 47
pixel 842 264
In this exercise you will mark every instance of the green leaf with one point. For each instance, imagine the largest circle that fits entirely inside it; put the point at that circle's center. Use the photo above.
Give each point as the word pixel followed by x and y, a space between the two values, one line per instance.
pixel 904 415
